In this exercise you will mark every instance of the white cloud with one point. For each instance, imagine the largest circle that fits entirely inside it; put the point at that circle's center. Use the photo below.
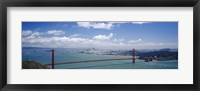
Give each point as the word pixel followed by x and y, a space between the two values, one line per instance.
pixel 160 43
pixel 55 32
pixel 157 44
pixel 103 37
pixel 78 42
pixel 53 40
pixel 26 33
pixel 84 24
pixel 37 33
pixel 134 41
pixel 75 35
pixel 118 40
pixel 139 22
pixel 94 25
pixel 34 39
pixel 118 22
pixel 104 25
pixel 121 39
pixel 31 34
pixel 67 42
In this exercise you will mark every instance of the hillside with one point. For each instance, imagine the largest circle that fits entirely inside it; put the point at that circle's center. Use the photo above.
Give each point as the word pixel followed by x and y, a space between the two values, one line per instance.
pixel 32 65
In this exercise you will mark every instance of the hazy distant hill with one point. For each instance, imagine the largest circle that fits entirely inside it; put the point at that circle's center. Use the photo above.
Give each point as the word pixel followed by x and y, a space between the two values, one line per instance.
pixel 162 52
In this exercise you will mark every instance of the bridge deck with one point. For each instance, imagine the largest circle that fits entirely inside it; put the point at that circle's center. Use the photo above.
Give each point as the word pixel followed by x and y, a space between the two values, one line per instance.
pixel 84 61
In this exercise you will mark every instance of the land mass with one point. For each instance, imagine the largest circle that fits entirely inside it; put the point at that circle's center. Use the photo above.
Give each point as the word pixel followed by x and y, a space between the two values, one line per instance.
pixel 32 65
pixel 159 55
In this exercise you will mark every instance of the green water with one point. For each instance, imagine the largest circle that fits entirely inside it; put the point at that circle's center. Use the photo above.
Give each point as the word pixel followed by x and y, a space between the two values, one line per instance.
pixel 43 56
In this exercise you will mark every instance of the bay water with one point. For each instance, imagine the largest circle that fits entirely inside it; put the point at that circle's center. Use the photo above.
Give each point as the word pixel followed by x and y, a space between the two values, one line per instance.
pixel 44 55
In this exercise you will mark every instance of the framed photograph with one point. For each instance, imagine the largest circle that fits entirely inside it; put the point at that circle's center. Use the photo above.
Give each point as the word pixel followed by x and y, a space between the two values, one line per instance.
pixel 123 44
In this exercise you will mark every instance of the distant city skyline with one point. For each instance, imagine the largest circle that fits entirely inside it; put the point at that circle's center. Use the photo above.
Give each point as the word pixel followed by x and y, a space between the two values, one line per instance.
pixel 103 35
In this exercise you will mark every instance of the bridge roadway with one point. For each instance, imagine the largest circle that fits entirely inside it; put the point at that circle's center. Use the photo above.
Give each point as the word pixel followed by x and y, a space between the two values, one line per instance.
pixel 84 61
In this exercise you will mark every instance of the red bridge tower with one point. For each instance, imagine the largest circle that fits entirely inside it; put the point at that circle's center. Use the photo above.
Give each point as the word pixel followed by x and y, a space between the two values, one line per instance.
pixel 133 56
pixel 52 58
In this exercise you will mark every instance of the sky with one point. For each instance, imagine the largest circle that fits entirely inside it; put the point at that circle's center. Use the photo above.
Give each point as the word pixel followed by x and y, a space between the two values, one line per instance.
pixel 102 35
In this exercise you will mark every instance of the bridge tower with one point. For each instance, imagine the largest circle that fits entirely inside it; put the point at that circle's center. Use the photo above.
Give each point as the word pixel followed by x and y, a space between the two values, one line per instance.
pixel 52 58
pixel 133 56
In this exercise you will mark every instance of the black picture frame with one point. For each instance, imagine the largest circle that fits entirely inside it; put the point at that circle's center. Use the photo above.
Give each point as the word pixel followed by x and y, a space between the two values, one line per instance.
pixel 100 3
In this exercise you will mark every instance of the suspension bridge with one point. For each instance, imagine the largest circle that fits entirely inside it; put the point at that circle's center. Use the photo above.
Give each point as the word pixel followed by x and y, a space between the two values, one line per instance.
pixel 85 61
